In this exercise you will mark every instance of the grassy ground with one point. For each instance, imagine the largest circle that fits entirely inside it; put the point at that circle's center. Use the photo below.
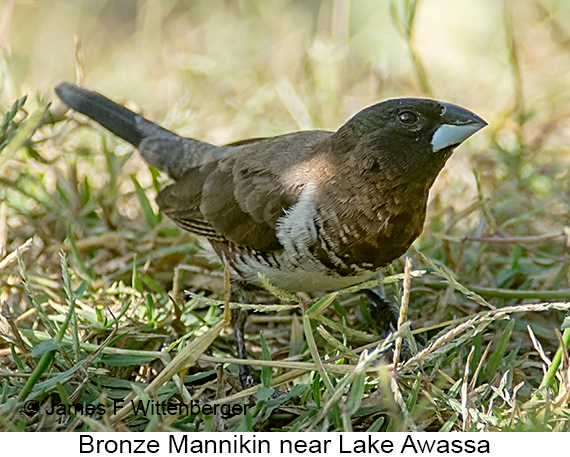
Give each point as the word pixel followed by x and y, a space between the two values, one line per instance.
pixel 102 298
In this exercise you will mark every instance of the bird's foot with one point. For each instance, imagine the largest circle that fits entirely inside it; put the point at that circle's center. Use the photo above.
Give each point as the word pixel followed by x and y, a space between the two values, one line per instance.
pixel 246 379
pixel 384 316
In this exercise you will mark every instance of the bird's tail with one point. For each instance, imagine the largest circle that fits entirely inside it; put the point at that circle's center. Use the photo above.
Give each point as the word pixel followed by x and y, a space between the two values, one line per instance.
pixel 161 148
pixel 114 117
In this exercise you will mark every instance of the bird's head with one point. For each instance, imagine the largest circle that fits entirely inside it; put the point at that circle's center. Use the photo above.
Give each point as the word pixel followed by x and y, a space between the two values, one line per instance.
pixel 406 136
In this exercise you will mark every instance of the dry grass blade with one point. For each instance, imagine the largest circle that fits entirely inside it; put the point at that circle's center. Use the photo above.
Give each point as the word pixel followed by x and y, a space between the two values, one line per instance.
pixel 402 316
pixel 285 364
pixel 538 347
pixel 409 423
pixel 465 390
pixel 488 316
pixel 448 336
pixel 13 256
pixel 451 280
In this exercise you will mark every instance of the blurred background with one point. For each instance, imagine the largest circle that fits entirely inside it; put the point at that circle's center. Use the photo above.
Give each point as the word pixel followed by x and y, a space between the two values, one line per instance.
pixel 227 70
pixel 320 61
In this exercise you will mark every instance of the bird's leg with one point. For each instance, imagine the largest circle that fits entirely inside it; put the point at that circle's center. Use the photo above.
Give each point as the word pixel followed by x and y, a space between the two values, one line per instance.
pixel 239 319
pixel 384 314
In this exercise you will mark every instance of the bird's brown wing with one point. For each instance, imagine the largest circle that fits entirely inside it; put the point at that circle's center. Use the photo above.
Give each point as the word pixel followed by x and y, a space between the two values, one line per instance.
pixel 181 201
pixel 238 198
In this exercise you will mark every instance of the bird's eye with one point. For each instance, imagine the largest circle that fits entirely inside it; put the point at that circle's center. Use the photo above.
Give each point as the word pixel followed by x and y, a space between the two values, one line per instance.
pixel 408 117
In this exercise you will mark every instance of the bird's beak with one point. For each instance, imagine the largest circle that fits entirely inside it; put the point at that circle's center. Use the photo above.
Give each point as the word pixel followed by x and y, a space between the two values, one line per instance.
pixel 457 124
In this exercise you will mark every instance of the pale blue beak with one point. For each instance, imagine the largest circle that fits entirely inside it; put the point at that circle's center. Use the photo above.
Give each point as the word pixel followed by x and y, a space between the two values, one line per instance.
pixel 458 124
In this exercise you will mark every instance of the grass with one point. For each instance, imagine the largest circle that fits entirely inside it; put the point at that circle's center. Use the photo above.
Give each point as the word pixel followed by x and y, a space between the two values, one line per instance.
pixel 102 298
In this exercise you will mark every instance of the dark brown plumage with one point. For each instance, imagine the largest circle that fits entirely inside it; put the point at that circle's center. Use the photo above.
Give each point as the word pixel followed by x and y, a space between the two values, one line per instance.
pixel 310 210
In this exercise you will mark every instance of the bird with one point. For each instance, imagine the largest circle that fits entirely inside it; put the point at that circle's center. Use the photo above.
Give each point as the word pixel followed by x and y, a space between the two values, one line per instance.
pixel 310 210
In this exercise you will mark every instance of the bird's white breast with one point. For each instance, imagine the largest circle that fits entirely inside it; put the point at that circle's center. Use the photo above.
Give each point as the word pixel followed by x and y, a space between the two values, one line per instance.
pixel 296 268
